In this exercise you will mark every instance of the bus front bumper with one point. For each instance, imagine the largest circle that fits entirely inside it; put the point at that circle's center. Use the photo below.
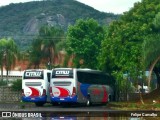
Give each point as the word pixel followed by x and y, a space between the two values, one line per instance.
pixel 64 99
pixel 34 99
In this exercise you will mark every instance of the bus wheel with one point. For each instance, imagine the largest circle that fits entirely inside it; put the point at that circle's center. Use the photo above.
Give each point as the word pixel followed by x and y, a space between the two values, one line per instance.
pixel 109 98
pixel 38 104
pixel 88 103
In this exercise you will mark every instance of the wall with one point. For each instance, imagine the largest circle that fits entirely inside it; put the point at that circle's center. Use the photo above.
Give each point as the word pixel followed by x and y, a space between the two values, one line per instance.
pixel 8 95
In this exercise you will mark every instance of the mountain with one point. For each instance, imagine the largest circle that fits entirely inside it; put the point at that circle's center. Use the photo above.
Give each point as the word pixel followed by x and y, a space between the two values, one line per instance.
pixel 23 20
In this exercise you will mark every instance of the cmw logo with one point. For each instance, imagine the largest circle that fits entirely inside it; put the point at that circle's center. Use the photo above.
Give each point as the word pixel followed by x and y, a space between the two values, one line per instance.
pixel 62 72
pixel 33 74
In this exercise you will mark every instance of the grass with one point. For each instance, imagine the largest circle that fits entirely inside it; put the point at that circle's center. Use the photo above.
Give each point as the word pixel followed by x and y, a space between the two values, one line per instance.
pixel 151 102
pixel 133 106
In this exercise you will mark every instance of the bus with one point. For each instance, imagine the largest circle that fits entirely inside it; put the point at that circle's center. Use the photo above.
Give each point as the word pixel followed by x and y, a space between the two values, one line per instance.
pixel 35 86
pixel 72 85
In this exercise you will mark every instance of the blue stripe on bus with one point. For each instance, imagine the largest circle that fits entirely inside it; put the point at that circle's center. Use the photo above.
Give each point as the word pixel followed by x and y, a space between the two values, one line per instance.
pixel 34 99
pixel 84 89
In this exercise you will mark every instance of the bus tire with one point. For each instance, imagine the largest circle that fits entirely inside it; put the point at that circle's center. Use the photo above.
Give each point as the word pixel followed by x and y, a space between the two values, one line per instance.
pixel 39 104
pixel 109 98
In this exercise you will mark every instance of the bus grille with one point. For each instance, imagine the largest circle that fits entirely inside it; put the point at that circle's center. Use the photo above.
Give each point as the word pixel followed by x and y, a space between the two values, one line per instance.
pixel 33 83
pixel 61 83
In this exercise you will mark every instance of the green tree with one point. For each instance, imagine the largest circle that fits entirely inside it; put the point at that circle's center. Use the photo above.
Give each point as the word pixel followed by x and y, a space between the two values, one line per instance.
pixel 9 52
pixel 121 50
pixel 11 55
pixel 151 50
pixel 3 44
pixel 156 22
pixel 35 53
pixel 50 36
pixel 83 41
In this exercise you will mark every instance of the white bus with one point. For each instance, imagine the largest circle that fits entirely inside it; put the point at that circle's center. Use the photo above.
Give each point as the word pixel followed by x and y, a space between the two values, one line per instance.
pixel 35 86
pixel 71 85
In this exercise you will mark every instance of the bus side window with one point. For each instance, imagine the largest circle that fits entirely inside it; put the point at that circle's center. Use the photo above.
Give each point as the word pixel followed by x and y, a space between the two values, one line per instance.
pixel 81 77
pixel 49 77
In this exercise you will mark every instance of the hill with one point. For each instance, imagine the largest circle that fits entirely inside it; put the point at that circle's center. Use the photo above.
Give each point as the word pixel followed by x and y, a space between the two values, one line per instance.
pixel 23 20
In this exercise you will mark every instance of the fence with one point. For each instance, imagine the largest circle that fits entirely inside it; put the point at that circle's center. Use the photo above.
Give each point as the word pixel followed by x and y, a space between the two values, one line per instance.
pixel 8 95
pixel 130 96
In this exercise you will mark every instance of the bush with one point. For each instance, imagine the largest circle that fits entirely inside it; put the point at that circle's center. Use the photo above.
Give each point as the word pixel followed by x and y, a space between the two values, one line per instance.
pixel 3 83
pixel 17 85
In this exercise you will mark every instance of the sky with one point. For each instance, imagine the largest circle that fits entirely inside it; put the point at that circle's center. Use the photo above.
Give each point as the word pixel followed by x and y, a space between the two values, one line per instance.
pixel 111 6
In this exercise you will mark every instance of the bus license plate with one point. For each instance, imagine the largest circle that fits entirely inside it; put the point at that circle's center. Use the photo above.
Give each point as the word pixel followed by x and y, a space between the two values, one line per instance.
pixel 32 98
pixel 61 99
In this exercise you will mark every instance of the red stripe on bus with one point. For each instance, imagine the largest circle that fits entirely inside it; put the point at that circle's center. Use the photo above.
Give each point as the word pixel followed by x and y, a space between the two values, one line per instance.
pixel 105 95
pixel 35 92
pixel 63 92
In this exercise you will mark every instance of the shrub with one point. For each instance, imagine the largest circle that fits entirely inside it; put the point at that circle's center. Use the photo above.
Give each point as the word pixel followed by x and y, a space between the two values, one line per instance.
pixel 3 83
pixel 17 85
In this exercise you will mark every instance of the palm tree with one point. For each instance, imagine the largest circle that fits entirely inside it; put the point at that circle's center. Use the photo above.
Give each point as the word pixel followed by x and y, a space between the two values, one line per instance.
pixel 44 47
pixel 11 54
pixel 35 53
pixel 50 37
pixel 8 54
pixel 2 52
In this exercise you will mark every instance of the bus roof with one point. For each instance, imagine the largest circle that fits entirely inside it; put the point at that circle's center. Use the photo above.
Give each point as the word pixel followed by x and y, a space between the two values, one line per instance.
pixel 36 70
pixel 79 69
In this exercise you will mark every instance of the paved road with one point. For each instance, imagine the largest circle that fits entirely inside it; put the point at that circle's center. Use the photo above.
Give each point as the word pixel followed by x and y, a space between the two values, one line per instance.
pixel 75 112
pixel 49 110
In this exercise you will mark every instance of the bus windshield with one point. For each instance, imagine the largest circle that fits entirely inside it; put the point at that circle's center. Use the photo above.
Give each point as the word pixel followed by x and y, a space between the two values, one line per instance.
pixel 33 75
pixel 62 73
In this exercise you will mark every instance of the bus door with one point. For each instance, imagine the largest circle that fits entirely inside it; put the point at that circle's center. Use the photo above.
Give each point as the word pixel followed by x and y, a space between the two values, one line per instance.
pixel 62 88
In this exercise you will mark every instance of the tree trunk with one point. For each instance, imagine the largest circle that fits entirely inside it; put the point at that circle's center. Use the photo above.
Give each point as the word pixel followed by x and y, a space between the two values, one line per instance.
pixel 151 69
pixel 2 72
pixel 7 75
pixel 141 98
pixel 7 65
pixel 157 72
